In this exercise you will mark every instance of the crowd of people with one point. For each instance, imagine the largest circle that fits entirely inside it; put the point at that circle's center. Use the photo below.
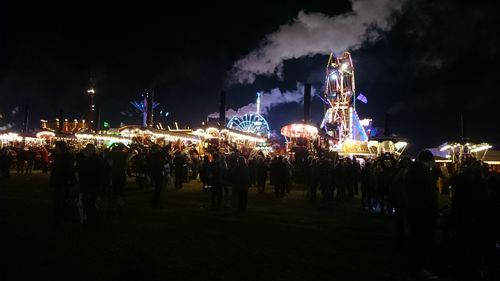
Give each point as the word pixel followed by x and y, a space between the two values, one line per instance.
pixel 24 159
pixel 408 193
pixel 404 190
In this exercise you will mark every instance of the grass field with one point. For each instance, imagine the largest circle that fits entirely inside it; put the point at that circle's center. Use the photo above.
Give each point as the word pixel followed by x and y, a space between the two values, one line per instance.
pixel 277 239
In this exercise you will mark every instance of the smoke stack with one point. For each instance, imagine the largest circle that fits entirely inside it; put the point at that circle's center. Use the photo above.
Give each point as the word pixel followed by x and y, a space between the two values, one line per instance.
pixel 61 121
pixel 387 125
pixel 462 125
pixel 97 122
pixel 307 103
pixel 150 97
pixel 222 109
pixel 26 119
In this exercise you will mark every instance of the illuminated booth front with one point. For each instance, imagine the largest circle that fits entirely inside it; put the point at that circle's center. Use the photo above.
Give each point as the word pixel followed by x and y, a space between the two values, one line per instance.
pixel 395 146
pixel 300 139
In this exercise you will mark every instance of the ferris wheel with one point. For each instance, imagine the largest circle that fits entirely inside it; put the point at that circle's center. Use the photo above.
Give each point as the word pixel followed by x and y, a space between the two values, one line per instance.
pixel 250 123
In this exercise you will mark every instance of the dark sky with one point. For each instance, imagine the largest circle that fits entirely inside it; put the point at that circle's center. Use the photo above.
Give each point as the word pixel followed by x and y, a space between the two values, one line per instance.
pixel 439 59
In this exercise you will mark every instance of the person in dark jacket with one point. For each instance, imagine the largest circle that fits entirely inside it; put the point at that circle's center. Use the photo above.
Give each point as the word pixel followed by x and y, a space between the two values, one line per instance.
pixel 282 180
pixel 205 173
pixel 226 182
pixel 341 179
pixel 157 161
pixel 89 167
pixel 422 210
pixel 62 177
pixel 252 168
pixel 21 156
pixel 5 162
pixel 384 178
pixel 397 197
pixel 367 186
pixel 261 175
pixel 273 173
pixel 30 160
pixel 119 164
pixel 179 166
pixel 241 183
pixel 216 174
pixel 473 217
pixel 312 178
pixel 324 172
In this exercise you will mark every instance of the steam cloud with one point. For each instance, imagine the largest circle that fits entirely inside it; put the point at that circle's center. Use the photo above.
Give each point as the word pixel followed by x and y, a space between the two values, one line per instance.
pixel 316 33
pixel 6 127
pixel 268 100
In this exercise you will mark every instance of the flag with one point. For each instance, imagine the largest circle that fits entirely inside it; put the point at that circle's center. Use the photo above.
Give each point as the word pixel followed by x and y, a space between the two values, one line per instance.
pixel 362 98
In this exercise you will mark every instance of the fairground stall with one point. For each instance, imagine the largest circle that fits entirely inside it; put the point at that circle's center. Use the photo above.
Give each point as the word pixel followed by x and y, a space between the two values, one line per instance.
pixel 101 140
pixel 149 136
pixel 395 146
pixel 460 151
pixel 8 138
pixel 226 140
pixel 299 139
pixel 39 139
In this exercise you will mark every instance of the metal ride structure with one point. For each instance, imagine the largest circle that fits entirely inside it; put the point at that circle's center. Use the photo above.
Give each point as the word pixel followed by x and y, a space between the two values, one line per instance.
pixel 253 123
pixel 146 107
pixel 341 120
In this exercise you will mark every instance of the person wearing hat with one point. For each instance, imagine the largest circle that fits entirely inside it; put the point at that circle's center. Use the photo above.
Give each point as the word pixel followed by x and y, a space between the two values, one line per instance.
pixel 422 211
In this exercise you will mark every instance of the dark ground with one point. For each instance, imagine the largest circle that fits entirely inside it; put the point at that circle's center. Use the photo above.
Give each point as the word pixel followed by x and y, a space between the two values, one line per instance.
pixel 286 239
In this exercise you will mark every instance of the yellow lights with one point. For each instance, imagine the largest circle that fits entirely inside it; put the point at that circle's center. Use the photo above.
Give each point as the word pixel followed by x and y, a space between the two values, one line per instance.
pixel 473 148
pixel 350 141
pixel 10 137
pixel 299 131
pixel 203 134
pixel 239 136
pixel 446 147
pixel 45 134
pixel 365 122
pixel 372 143
pixel 102 138
pixel 387 145
pixel 91 91
pixel 400 145
pixel 480 147
pixel 214 133
pixel 158 134
pixel 212 130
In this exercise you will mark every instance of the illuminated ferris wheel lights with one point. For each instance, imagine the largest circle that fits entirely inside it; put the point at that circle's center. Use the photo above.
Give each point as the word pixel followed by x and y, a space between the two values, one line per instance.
pixel 250 123
pixel 345 66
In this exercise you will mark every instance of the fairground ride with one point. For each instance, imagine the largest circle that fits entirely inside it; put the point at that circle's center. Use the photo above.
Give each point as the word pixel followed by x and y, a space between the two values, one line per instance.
pixel 341 121
pixel 253 123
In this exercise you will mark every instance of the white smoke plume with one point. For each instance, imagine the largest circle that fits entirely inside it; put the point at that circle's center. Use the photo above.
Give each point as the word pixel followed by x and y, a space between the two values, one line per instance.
pixel 14 111
pixel 268 100
pixel 316 33
pixel 6 127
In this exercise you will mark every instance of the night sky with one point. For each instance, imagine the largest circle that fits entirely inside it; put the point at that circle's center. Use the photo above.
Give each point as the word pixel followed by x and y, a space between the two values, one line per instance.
pixel 438 59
